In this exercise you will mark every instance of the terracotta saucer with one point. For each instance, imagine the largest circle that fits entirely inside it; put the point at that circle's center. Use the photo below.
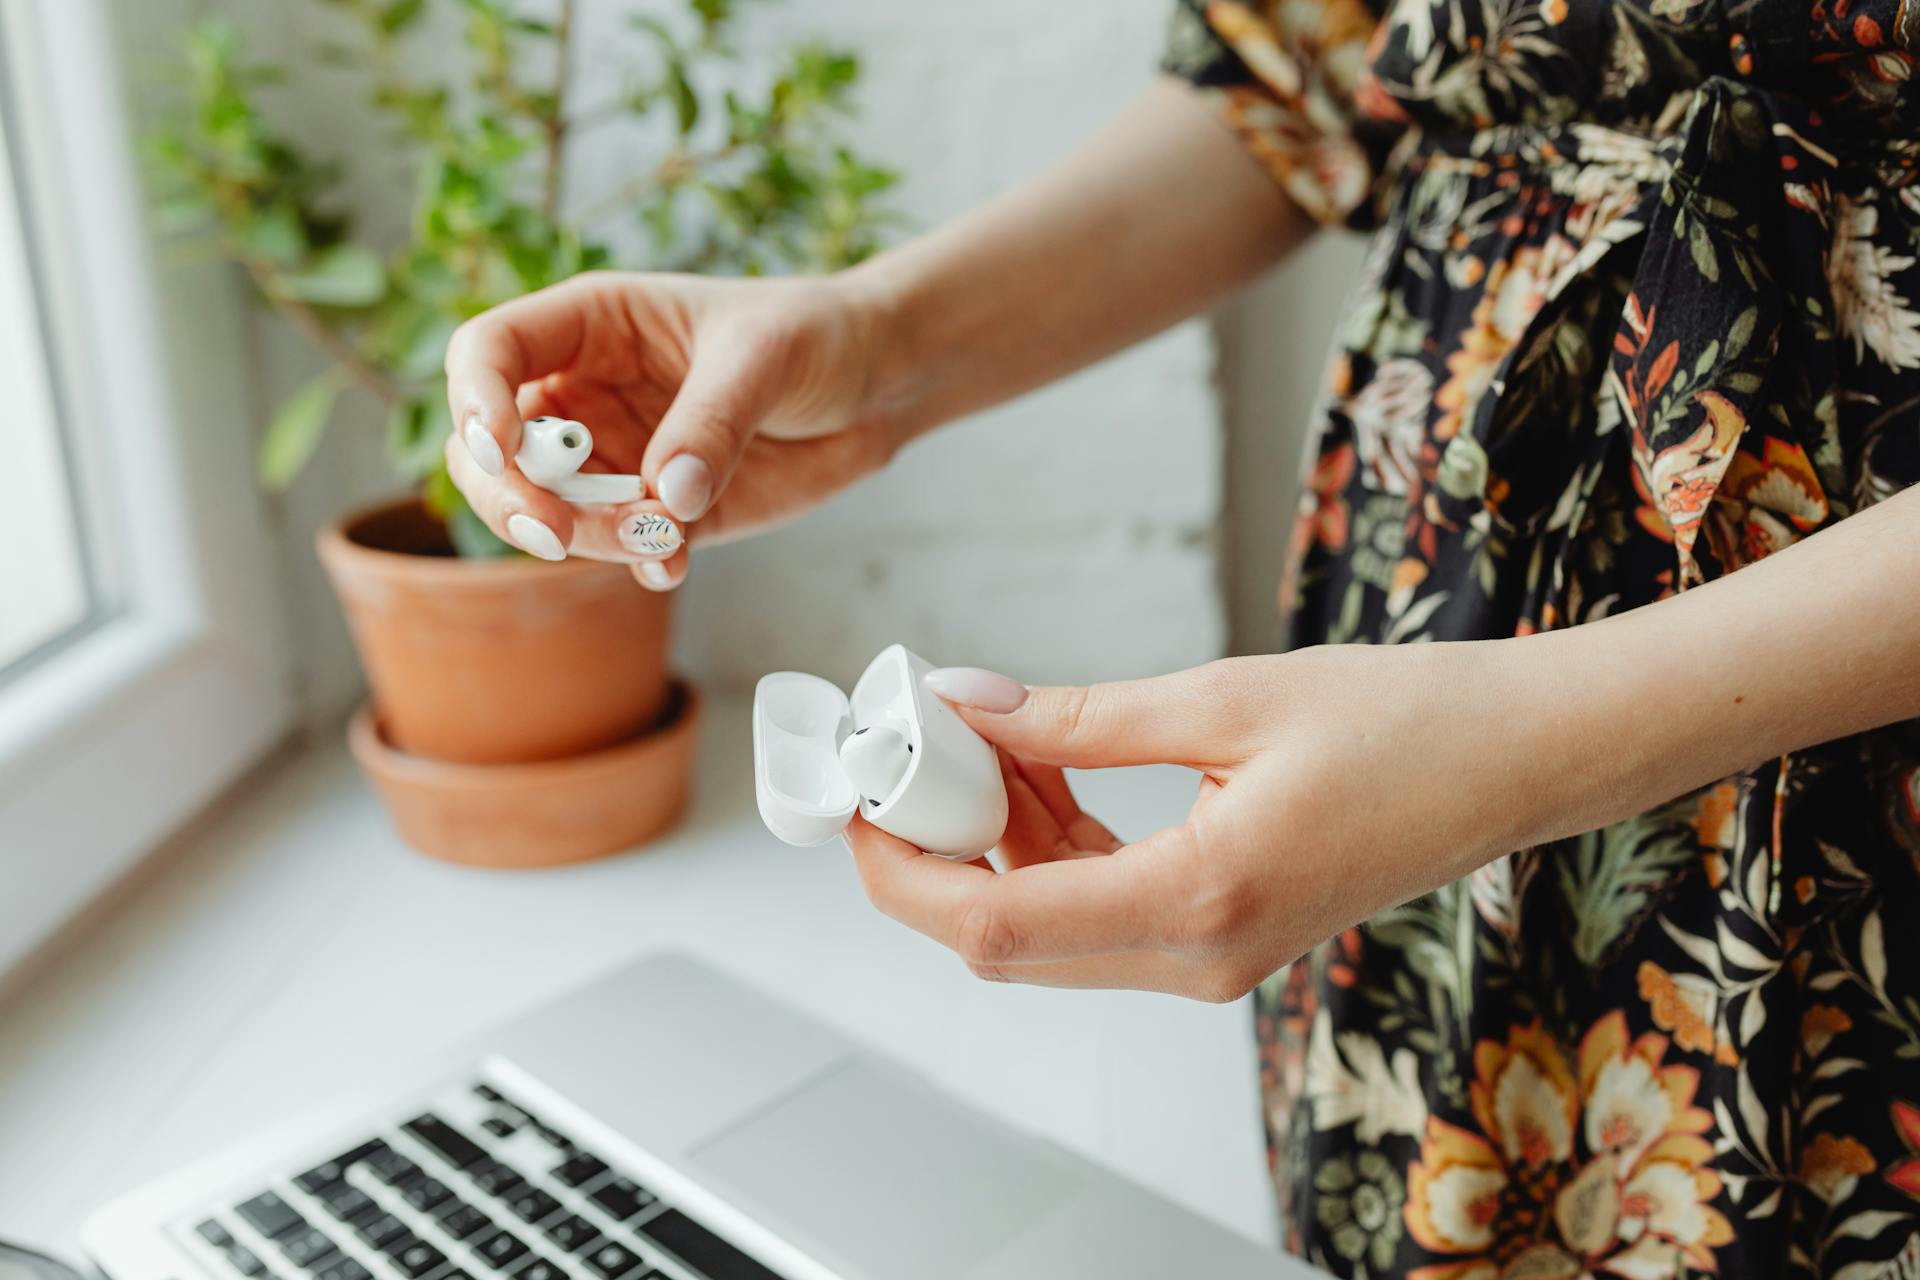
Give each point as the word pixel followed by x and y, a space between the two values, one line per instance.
pixel 540 814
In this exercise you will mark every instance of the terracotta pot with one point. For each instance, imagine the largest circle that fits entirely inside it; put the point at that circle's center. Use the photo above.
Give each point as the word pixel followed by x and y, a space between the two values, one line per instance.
pixel 542 814
pixel 495 661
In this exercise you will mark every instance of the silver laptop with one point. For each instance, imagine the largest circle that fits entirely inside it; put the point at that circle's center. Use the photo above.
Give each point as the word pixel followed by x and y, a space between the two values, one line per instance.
pixel 664 1123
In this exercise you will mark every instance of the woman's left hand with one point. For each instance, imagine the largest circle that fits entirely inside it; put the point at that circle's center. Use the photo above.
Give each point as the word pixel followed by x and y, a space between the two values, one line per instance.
pixel 1343 779
pixel 1337 781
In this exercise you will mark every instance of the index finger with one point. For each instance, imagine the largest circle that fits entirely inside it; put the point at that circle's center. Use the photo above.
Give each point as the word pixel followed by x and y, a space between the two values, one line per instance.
pixel 1047 911
pixel 491 355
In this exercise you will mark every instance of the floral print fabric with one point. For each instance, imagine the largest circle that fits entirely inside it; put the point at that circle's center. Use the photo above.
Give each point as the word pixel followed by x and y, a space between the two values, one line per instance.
pixel 1642 308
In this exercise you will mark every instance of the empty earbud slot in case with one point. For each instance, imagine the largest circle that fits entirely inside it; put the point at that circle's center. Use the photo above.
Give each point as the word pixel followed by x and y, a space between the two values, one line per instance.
pixel 799 722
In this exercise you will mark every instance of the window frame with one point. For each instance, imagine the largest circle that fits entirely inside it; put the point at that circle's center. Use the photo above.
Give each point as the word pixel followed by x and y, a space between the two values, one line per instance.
pixel 115 736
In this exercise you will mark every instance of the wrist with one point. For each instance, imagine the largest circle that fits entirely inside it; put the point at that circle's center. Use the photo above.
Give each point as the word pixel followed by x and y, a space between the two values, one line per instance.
pixel 1588 738
pixel 893 397
pixel 1618 720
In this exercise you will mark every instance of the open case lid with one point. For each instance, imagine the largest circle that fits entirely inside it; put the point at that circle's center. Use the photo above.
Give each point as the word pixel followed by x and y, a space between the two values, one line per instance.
pixel 799 722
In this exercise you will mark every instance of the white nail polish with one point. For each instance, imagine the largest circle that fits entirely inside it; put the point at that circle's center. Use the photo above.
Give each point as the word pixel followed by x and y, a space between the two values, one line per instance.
pixel 686 487
pixel 535 538
pixel 656 574
pixel 647 534
pixel 976 687
pixel 484 449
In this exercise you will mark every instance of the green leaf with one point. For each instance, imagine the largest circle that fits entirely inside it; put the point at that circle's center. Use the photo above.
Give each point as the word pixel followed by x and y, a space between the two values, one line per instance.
pixel 401 14
pixel 686 103
pixel 469 534
pixel 714 14
pixel 178 217
pixel 425 351
pixel 437 492
pixel 347 275
pixel 1740 333
pixel 275 235
pixel 659 30
pixel 1708 354
pixel 471 537
pixel 1703 255
pixel 295 430
pixel 414 436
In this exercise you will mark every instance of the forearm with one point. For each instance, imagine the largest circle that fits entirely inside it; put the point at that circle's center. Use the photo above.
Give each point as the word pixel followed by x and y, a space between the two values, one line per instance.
pixel 1811 644
pixel 1158 217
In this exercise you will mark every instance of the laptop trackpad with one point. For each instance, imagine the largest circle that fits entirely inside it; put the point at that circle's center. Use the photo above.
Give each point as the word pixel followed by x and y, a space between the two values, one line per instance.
pixel 877 1174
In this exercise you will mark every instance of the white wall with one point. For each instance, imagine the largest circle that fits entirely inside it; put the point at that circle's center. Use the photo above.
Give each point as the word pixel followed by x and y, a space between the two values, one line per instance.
pixel 1274 341
pixel 1070 536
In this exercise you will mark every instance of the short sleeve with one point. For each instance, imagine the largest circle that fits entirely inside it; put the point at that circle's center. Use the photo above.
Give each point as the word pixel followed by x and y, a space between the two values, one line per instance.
pixel 1291 79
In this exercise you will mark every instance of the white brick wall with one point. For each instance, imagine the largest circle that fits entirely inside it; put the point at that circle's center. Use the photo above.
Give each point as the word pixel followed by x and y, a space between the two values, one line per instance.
pixel 1069 536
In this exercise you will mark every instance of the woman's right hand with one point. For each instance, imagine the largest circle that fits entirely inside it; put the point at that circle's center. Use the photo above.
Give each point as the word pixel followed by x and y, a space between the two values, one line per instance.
pixel 741 403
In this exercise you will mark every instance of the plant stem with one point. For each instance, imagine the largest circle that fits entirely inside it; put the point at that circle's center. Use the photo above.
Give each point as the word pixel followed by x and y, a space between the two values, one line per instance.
pixel 676 167
pixel 557 122
pixel 302 317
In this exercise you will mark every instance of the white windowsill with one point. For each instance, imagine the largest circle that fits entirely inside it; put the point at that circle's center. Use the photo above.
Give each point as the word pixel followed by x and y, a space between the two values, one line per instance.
pixel 293 930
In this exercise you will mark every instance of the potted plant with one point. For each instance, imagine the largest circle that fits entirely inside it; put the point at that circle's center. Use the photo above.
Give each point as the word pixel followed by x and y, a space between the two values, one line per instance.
pixel 522 711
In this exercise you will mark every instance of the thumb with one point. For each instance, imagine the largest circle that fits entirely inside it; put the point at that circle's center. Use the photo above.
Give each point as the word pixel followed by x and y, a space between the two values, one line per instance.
pixel 1173 719
pixel 708 426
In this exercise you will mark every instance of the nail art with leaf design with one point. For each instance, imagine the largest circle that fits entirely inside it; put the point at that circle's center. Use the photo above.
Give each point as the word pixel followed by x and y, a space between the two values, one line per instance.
pixel 647 534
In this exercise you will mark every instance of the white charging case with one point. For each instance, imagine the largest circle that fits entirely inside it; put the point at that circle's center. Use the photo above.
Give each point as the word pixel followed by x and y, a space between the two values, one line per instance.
pixel 951 800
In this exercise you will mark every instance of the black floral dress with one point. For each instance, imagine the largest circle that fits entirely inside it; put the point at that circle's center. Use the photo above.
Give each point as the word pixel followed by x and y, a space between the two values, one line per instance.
pixel 1640 310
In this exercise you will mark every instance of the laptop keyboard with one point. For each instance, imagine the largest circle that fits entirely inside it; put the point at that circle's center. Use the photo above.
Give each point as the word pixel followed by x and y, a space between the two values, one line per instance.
pixel 477 1188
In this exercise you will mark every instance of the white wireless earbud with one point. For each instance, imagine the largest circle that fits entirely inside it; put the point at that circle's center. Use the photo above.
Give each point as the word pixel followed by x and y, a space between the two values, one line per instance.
pixel 551 453
pixel 894 753
pixel 876 759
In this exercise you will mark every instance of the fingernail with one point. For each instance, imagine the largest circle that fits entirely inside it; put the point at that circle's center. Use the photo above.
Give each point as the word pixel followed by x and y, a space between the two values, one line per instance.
pixel 976 687
pixel 656 574
pixel 484 448
pixel 534 538
pixel 649 535
pixel 686 486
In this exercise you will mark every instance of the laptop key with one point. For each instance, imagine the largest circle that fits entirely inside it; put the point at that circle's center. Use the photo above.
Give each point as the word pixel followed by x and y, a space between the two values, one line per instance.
pixel 573 1233
pixel 532 1205
pixel 498 1128
pixel 580 1170
pixel 451 1144
pixel 342 1269
pixel 623 1198
pixel 331 1171
pixel 702 1250
pixel 540 1269
pixel 268 1214
pixel 495 1178
pixel 214 1234
pixel 417 1258
pixel 391 1167
pixel 554 1138
pixel 424 1193
pixel 611 1260
pixel 501 1249
pixel 304 1248
pixel 461 1220
pixel 245 1261
pixel 378 1231
pixel 343 1200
